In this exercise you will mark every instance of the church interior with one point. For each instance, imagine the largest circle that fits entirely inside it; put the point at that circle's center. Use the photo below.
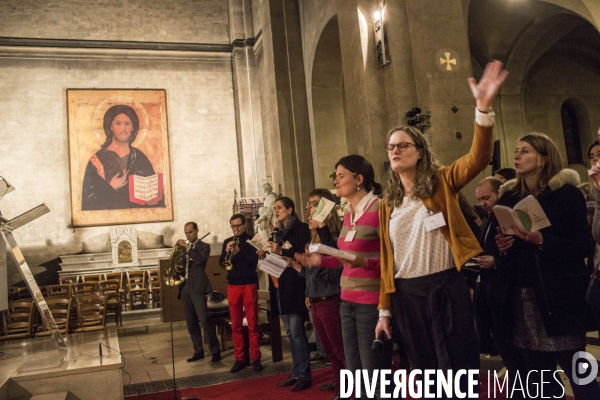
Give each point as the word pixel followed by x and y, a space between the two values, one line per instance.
pixel 249 92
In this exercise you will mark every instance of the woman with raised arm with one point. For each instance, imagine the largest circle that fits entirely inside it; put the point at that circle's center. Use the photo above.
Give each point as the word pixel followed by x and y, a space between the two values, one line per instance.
pixel 425 240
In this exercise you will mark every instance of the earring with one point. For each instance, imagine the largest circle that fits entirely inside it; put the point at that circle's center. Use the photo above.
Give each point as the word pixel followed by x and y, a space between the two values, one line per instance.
pixel 357 188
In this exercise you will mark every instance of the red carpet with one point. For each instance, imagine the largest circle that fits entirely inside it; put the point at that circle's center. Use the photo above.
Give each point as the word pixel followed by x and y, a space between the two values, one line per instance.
pixel 262 389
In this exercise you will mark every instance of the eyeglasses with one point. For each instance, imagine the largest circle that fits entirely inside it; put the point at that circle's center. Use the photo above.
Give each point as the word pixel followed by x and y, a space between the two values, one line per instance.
pixel 236 226
pixel 401 146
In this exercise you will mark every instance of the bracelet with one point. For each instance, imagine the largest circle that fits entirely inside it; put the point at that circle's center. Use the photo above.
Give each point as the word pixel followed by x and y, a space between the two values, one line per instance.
pixel 380 318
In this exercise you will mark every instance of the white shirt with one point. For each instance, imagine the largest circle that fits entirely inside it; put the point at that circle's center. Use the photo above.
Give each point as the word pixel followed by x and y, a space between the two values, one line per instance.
pixel 416 251
pixel 361 207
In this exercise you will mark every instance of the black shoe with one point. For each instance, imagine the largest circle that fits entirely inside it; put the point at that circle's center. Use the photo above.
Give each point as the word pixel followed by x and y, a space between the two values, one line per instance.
pixel 317 357
pixel 257 366
pixel 237 366
pixel 301 385
pixel 327 387
pixel 216 357
pixel 289 381
pixel 196 357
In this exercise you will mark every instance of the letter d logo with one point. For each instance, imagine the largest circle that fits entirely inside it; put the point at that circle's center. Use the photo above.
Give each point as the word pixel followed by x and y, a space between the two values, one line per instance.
pixel 585 368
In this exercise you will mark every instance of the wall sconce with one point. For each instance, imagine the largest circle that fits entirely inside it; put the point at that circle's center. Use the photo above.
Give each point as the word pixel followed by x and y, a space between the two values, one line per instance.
pixel 383 57
pixel 417 119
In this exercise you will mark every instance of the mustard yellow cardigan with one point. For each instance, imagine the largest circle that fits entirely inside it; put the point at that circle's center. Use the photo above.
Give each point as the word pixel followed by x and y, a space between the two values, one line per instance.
pixel 450 180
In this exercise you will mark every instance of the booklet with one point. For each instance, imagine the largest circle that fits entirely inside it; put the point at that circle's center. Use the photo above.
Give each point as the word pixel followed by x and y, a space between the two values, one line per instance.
pixel 259 242
pixel 323 209
pixel 145 189
pixel 273 264
pixel 331 251
pixel 527 214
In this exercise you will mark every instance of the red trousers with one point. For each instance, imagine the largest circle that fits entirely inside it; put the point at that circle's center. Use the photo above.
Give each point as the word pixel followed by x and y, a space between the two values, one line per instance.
pixel 244 298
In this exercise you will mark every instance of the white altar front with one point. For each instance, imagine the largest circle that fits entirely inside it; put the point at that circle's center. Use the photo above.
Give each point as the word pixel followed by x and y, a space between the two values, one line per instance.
pixel 124 256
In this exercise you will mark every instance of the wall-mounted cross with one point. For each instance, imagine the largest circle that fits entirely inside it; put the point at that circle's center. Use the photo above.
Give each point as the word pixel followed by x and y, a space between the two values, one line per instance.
pixel 448 61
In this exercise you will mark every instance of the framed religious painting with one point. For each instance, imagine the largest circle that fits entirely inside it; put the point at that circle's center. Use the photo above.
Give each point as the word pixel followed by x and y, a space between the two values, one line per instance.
pixel 119 156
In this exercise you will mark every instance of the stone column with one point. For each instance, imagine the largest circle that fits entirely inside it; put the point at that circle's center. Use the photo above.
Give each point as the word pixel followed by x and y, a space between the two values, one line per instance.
pixel 250 150
pixel 283 100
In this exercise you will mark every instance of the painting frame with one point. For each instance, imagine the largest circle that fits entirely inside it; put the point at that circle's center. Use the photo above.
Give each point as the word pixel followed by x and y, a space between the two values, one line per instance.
pixel 99 195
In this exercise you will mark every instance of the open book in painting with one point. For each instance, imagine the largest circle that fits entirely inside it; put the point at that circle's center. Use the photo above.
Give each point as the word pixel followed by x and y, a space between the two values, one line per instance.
pixel 145 189
pixel 526 214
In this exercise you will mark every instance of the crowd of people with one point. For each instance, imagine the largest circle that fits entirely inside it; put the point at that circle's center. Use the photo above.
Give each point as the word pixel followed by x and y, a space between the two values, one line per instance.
pixel 410 241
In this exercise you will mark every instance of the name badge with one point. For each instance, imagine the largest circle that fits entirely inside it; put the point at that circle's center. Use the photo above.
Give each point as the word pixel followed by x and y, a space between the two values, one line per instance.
pixel 434 221
pixel 287 245
pixel 350 236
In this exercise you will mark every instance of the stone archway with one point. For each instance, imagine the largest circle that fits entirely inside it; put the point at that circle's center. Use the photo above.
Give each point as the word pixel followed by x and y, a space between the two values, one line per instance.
pixel 328 105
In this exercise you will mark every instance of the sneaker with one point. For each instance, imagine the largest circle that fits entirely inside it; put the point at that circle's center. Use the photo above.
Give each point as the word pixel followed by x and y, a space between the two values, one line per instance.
pixel 257 366
pixel 237 366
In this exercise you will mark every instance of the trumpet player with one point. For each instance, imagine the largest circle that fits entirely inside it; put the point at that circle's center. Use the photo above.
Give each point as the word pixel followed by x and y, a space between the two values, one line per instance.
pixel 193 291
pixel 240 260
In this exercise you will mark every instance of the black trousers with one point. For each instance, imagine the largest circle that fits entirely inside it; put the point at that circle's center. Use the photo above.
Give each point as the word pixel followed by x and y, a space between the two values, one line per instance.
pixel 435 319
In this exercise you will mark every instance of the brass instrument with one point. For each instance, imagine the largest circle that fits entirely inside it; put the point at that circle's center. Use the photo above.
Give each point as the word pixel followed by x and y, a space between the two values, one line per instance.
pixel 227 263
pixel 175 274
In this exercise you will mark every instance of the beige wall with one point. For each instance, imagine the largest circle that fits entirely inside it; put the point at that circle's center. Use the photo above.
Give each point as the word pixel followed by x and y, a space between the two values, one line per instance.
pixel 182 21
pixel 200 106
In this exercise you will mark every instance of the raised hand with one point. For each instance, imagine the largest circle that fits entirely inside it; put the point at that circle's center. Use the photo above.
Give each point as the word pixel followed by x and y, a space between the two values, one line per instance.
pixel 486 89
pixel 594 174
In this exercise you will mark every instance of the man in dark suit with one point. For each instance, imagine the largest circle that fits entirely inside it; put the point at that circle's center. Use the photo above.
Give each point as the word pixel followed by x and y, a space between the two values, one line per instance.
pixel 193 291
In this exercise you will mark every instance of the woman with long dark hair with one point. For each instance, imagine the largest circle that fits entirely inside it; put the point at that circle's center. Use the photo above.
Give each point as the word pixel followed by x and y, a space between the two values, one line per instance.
pixel 542 276
pixel 288 291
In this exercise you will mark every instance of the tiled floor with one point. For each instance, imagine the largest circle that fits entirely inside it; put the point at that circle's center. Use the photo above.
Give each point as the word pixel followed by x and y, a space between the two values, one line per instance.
pixel 146 348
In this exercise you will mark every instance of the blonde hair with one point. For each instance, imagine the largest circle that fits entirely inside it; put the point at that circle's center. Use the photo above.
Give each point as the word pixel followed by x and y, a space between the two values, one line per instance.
pixel 425 180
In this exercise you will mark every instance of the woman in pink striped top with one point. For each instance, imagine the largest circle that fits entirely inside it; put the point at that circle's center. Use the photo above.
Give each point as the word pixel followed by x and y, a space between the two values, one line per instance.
pixel 360 281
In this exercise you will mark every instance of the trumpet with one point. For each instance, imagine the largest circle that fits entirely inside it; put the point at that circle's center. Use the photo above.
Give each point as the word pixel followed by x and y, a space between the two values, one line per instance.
pixel 227 263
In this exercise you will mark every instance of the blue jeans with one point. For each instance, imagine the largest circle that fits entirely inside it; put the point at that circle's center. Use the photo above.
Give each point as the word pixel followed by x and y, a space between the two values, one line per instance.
pixel 358 330
pixel 294 328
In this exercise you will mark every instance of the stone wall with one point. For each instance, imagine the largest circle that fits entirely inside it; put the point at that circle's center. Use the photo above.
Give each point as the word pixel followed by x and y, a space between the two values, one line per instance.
pixel 33 111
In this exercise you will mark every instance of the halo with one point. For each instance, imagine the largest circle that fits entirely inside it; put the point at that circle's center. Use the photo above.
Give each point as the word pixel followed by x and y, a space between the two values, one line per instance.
pixel 98 118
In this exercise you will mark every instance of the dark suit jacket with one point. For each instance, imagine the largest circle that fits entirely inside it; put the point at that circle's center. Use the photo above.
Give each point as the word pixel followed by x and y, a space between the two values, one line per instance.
pixel 197 279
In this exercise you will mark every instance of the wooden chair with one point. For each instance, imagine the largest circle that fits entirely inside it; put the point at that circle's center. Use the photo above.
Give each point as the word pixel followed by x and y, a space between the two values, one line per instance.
pixel 85 288
pixel 118 276
pixel 68 279
pixel 110 289
pixel 20 293
pixel 91 312
pixel 20 320
pixel 91 278
pixel 61 311
pixel 154 286
pixel 136 286
pixel 59 291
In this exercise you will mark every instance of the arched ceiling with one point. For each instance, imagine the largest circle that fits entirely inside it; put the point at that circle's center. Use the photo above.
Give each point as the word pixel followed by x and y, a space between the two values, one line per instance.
pixel 521 32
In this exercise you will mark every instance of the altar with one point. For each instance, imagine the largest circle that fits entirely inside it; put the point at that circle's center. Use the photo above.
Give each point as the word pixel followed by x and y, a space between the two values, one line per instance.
pixel 124 255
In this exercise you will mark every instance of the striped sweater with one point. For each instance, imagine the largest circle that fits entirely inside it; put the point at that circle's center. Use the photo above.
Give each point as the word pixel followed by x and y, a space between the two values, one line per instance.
pixel 360 285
